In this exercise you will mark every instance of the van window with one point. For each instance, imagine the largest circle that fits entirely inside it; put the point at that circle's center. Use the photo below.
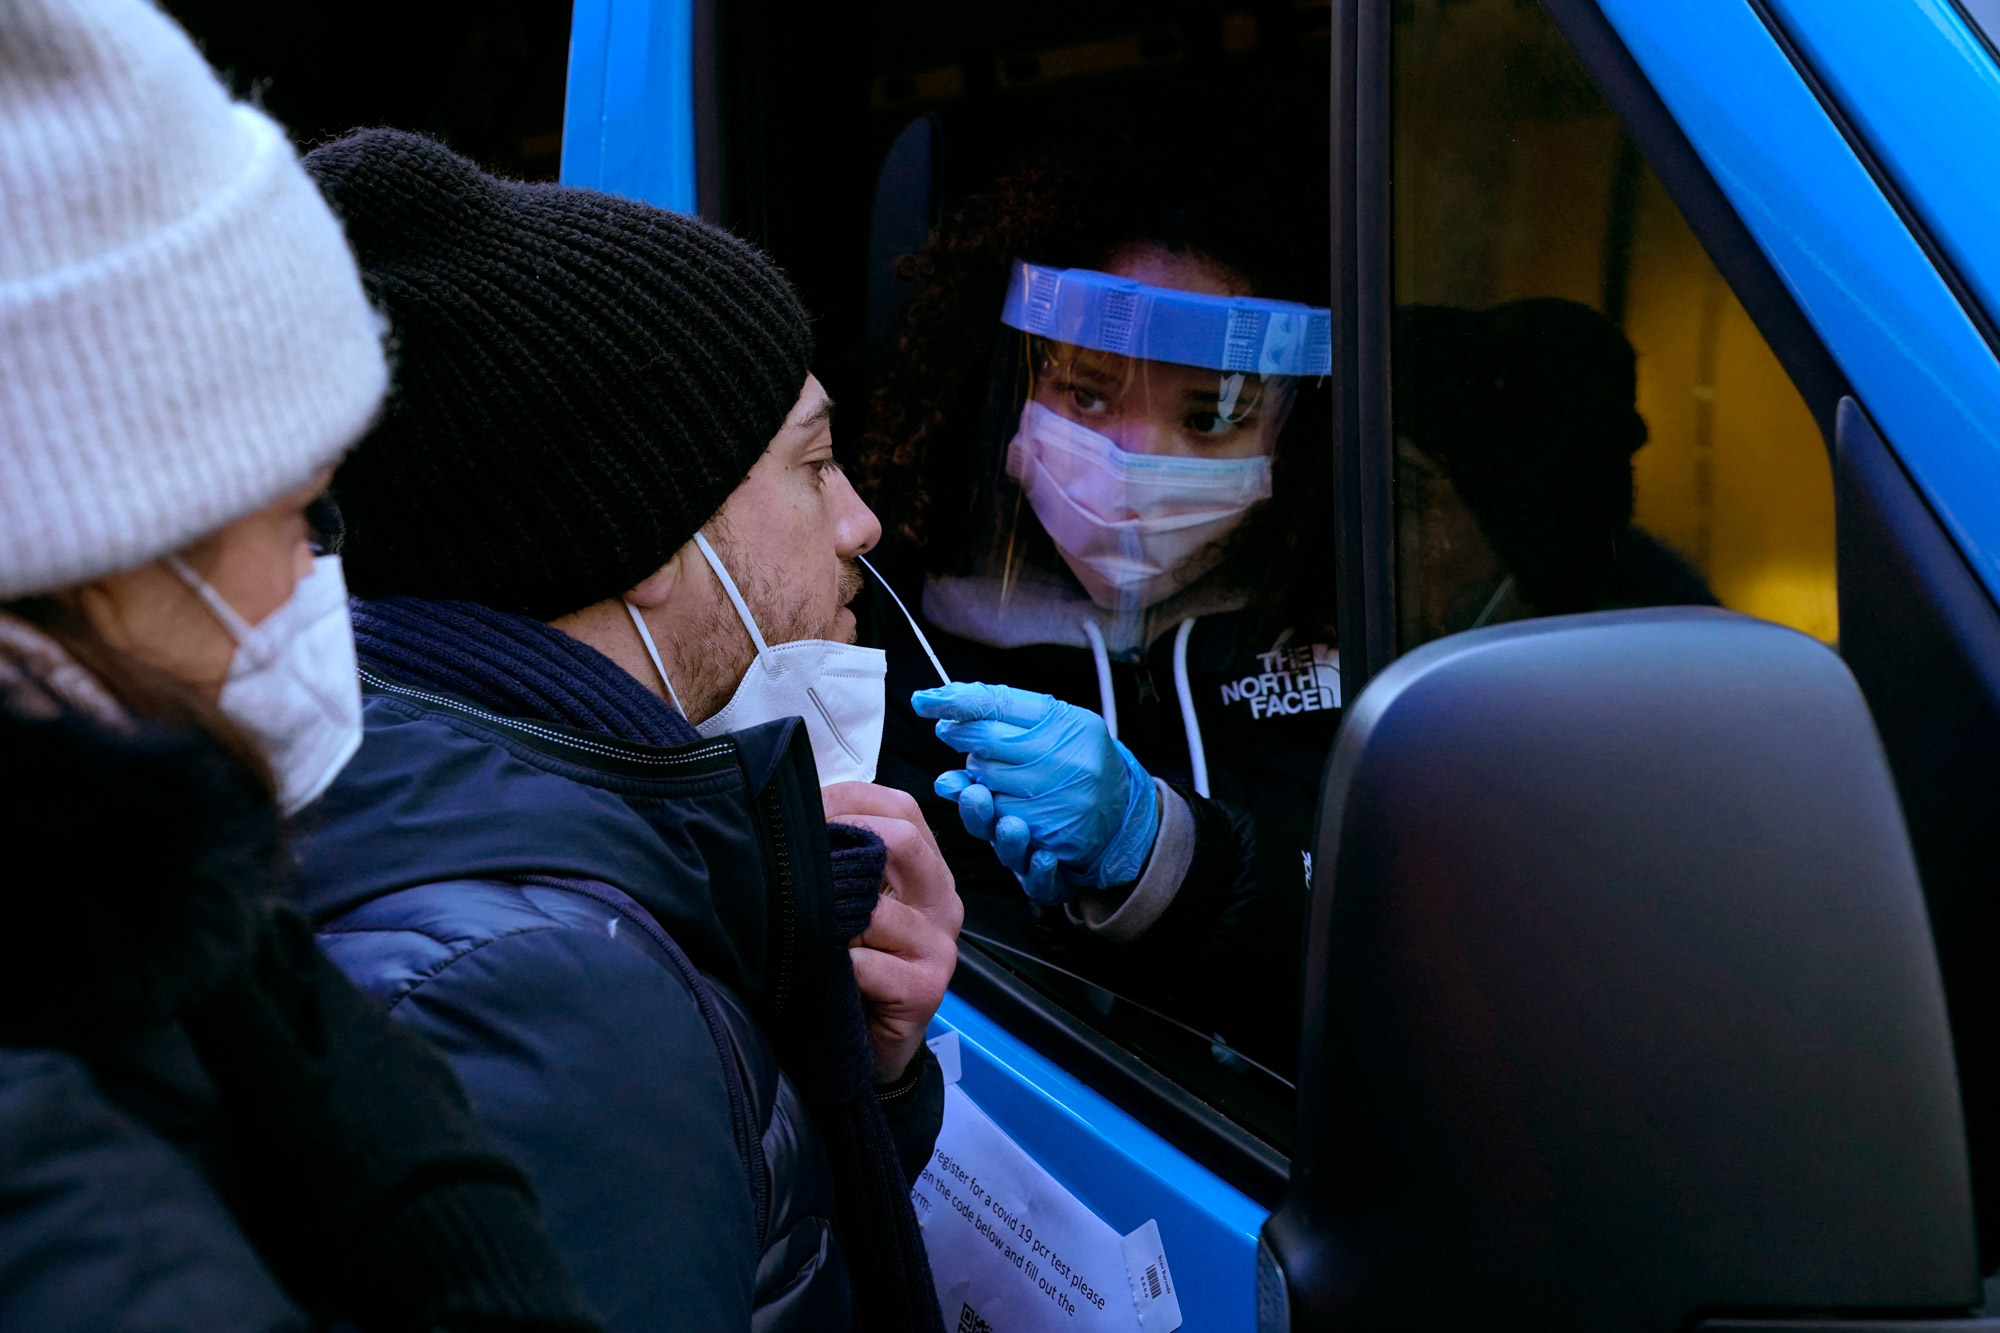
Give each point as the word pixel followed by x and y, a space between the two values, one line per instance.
pixel 1098 436
pixel 1585 417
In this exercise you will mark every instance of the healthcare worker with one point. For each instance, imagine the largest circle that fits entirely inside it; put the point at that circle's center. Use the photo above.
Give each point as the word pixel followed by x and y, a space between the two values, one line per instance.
pixel 1104 461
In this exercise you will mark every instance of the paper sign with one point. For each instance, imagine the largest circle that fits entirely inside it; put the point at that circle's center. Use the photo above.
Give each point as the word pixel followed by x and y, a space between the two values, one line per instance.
pixel 1012 1251
pixel 945 1047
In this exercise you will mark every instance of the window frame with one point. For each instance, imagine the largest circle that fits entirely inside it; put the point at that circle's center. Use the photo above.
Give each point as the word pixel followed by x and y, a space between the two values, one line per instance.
pixel 1940 599
pixel 1292 1252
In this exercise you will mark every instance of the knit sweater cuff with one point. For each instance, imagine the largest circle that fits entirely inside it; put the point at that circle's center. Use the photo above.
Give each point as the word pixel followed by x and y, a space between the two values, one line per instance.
pixel 913 1106
pixel 859 860
pixel 471 1255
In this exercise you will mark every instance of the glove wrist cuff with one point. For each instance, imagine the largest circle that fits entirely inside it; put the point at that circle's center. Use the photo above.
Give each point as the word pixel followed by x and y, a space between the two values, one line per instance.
pixel 1124 859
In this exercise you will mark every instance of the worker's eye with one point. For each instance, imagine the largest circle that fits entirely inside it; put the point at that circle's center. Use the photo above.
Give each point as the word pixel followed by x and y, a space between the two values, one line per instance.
pixel 1217 425
pixel 1078 396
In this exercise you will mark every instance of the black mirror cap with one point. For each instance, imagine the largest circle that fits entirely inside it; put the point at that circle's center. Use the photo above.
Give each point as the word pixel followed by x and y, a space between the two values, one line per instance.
pixel 1623 1005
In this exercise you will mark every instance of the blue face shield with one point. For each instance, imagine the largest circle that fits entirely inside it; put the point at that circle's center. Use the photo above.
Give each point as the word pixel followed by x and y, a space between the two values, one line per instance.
pixel 1230 335
pixel 1134 427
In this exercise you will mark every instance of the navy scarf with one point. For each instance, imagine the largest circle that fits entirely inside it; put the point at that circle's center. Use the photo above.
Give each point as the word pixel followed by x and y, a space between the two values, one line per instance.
pixel 513 665
pixel 521 668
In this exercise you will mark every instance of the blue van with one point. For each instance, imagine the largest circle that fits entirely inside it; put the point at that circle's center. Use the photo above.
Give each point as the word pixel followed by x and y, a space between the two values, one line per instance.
pixel 1650 979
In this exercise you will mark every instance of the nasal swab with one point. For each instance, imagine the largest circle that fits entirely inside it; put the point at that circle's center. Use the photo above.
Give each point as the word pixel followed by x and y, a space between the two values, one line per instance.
pixel 907 616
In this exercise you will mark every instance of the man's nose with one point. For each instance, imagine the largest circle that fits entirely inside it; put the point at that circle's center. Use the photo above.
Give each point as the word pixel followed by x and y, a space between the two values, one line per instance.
pixel 856 529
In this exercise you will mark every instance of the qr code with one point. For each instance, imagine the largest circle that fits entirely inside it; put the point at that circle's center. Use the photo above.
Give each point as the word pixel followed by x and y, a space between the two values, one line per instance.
pixel 970 1322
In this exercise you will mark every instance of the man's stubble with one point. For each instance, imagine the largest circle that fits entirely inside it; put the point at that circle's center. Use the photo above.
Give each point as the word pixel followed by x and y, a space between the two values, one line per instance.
pixel 720 648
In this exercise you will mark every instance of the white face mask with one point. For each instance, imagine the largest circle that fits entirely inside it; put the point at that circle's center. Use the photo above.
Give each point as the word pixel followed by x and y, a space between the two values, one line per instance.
pixel 838 688
pixel 1132 527
pixel 292 684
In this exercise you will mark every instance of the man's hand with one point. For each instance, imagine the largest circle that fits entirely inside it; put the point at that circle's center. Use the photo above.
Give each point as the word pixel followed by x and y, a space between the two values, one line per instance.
pixel 904 960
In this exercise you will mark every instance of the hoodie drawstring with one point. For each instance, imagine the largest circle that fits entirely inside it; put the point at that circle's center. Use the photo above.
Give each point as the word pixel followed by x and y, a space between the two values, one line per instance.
pixel 1197 752
pixel 1108 704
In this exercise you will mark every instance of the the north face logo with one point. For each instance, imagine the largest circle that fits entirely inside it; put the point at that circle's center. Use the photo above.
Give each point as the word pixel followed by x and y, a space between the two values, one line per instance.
pixel 1298 680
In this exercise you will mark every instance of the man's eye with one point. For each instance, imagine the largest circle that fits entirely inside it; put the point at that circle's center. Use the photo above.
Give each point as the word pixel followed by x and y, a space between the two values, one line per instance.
pixel 823 466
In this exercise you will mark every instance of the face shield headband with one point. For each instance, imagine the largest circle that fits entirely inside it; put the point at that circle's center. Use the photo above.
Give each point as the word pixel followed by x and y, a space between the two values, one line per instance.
pixel 1228 334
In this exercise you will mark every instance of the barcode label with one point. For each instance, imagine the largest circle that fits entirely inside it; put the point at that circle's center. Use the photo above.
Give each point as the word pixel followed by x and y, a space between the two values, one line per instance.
pixel 1152 1281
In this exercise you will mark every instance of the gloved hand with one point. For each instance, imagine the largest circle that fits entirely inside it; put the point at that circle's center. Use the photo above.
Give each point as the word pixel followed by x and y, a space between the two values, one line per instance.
pixel 1063 804
pixel 1034 866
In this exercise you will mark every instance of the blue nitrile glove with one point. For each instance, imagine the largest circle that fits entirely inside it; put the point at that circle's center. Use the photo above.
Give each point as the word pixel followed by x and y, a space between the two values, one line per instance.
pixel 1035 867
pixel 1078 794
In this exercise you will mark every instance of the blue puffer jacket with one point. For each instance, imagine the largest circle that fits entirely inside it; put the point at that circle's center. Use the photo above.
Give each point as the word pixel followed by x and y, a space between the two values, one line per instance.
pixel 586 929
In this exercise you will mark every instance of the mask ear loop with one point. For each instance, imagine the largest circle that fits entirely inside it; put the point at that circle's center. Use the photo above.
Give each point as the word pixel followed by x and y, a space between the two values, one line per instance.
pixel 646 637
pixel 735 597
pixel 916 629
pixel 232 620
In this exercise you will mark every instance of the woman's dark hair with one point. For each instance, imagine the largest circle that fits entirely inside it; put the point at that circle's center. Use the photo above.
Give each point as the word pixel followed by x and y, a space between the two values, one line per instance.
pixel 146 691
pixel 1231 179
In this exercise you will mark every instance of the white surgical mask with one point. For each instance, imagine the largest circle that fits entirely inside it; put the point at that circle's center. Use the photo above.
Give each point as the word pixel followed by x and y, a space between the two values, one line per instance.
pixel 1131 527
pixel 292 683
pixel 838 688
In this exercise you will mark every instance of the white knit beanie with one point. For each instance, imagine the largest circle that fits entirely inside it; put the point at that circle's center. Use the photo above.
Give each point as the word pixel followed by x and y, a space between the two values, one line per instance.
pixel 183 334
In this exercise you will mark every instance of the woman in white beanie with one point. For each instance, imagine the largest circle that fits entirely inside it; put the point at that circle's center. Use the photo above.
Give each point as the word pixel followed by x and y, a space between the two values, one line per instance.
pixel 202 1125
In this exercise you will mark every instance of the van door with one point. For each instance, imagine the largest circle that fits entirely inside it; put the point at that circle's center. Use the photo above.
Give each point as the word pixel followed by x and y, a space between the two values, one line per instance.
pixel 1523 180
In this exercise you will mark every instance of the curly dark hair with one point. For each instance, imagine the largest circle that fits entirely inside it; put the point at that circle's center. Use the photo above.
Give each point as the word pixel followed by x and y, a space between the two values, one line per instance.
pixel 1191 181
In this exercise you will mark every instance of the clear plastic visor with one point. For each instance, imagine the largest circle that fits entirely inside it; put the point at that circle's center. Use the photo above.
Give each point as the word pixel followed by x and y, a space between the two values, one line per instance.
pixel 1159 371
pixel 1158 407
pixel 1130 428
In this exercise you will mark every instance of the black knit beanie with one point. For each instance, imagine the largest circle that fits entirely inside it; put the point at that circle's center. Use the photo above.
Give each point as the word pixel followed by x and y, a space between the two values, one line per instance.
pixel 581 380
pixel 1530 408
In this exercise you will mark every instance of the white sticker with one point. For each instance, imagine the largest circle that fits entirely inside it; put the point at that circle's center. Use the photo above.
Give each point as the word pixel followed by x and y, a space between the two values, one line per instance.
pixel 1283 352
pixel 1152 1281
pixel 1012 1251
pixel 945 1048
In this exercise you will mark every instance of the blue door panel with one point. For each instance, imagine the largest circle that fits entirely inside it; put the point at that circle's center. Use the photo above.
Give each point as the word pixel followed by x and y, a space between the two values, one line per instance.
pixel 1924 93
pixel 1121 1170
pixel 628 115
pixel 1888 318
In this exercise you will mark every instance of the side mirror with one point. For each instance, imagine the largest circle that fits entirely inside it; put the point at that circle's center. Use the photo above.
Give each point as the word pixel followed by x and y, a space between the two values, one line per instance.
pixel 1624 1007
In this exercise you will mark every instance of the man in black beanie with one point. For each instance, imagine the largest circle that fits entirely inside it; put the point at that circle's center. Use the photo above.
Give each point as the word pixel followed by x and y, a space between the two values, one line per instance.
pixel 1518 425
pixel 601 509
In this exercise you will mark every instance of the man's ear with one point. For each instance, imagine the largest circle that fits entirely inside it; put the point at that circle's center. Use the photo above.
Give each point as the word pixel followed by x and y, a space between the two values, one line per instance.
pixel 658 587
